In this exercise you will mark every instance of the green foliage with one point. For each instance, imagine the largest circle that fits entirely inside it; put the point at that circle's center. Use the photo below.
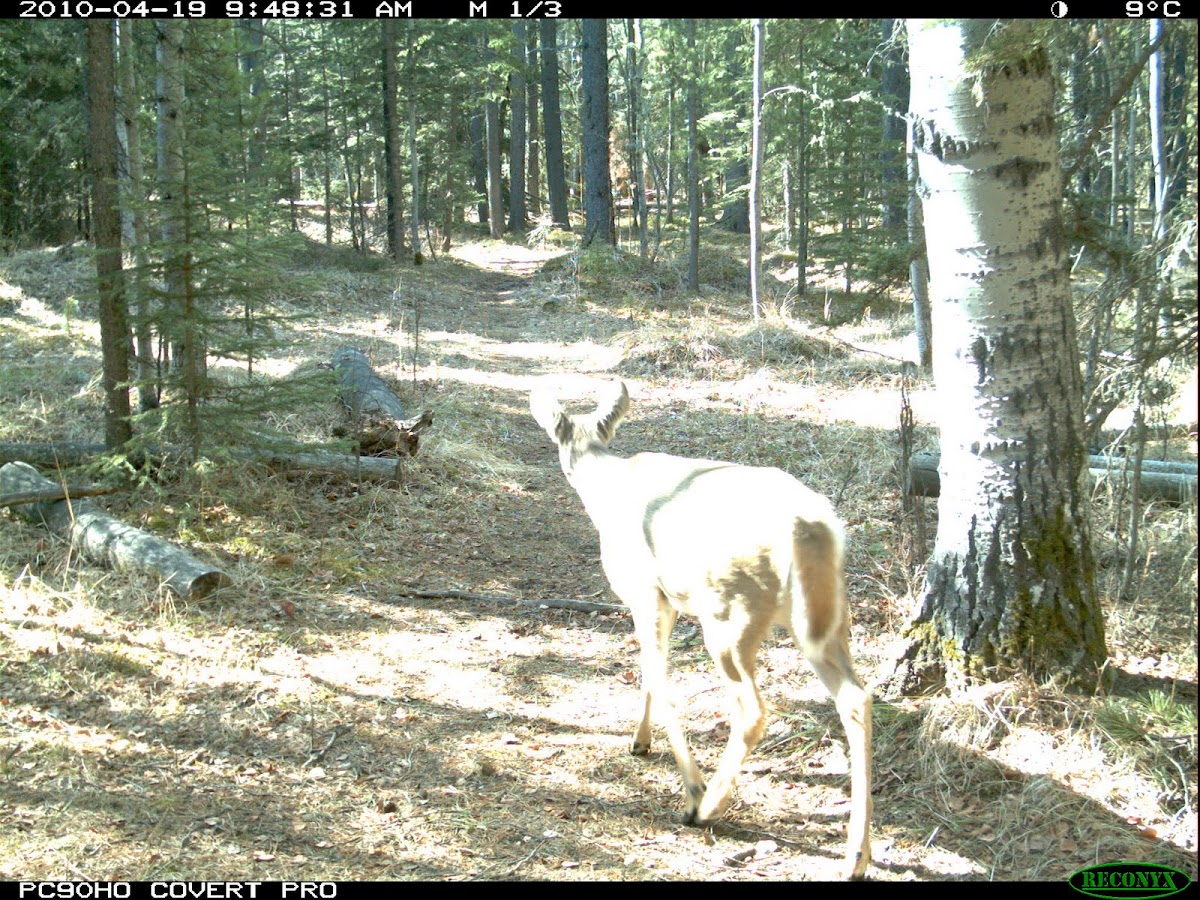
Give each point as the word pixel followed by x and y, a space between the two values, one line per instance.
pixel 42 142
pixel 885 265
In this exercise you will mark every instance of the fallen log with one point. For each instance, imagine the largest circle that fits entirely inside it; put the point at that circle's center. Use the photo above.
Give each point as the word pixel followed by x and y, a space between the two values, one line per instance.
pixel 100 538
pixel 379 418
pixel 1121 463
pixel 1171 481
pixel 58 455
pixel 57 493
pixel 369 468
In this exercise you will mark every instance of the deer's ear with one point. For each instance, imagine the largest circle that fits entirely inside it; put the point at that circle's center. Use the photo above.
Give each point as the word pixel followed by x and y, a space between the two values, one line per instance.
pixel 548 413
pixel 613 405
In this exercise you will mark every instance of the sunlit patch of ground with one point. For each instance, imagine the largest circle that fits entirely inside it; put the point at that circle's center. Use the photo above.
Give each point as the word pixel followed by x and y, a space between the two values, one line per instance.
pixel 320 721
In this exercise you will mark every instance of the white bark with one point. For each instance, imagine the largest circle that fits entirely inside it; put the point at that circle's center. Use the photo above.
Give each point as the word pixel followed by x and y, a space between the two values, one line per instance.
pixel 1010 583
pixel 990 197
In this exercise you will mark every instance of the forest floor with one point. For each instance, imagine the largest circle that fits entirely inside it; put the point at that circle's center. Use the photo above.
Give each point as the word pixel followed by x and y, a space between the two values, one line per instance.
pixel 323 720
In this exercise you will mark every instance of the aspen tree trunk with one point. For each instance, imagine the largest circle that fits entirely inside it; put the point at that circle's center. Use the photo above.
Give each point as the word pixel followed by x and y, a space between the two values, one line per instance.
pixel 1010 587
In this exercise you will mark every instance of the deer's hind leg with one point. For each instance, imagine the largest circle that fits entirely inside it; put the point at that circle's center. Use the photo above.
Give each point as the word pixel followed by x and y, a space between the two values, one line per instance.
pixel 733 643
pixel 653 620
pixel 820 625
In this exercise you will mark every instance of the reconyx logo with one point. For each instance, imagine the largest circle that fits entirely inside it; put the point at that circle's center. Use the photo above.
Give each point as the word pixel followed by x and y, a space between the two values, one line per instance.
pixel 1123 880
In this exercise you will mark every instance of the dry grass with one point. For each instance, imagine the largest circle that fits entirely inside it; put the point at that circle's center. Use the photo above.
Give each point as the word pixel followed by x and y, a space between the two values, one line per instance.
pixel 317 721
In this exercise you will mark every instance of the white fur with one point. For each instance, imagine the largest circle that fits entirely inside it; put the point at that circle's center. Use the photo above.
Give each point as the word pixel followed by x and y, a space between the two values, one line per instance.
pixel 741 548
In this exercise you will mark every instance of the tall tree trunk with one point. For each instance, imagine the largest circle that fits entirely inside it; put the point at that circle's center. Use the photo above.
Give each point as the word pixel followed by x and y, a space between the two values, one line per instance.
pixel 789 210
pixel 449 207
pixel 894 91
pixel 1010 587
pixel 351 145
pixel 633 78
pixel 672 105
pixel 294 173
pixel 476 130
pixel 518 218
pixel 170 139
pixel 755 171
pixel 391 144
pixel 414 162
pixel 327 144
pixel 181 316
pixel 532 107
pixel 1169 158
pixel 254 31
pixel 671 167
pixel 1161 180
pixel 735 216
pixel 491 122
pixel 556 172
pixel 106 231
pixel 138 230
pixel 693 163
pixel 849 190
pixel 918 267
pixel 802 179
pixel 491 117
pixel 598 200
pixel 414 178
pixel 1132 170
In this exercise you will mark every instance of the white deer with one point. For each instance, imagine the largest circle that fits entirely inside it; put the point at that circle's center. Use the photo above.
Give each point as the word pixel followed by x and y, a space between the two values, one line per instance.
pixel 741 548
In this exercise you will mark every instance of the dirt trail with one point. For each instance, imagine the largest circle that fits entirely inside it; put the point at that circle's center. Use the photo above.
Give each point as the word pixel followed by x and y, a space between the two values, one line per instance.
pixel 500 326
